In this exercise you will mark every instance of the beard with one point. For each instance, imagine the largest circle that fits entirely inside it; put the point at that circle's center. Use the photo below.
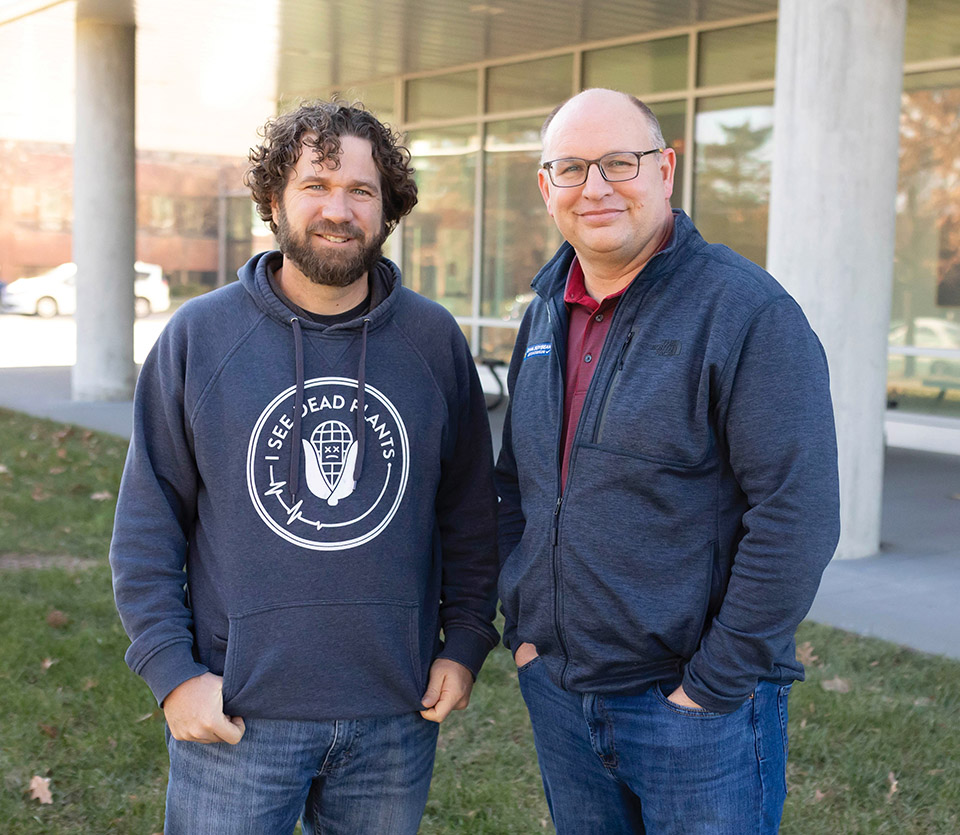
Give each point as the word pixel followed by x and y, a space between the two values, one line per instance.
pixel 332 268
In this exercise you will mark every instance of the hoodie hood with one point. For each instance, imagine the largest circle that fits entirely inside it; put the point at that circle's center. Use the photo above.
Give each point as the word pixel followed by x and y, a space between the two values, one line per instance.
pixel 385 284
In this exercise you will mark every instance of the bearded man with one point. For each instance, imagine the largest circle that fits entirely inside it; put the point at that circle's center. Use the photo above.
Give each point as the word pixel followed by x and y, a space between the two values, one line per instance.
pixel 307 504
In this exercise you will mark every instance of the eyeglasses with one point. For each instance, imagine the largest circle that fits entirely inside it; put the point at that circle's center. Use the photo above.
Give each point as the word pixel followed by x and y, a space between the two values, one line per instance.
pixel 614 167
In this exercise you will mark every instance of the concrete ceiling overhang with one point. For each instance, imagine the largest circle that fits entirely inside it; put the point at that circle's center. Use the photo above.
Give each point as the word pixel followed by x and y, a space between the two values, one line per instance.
pixel 333 42
pixel 325 43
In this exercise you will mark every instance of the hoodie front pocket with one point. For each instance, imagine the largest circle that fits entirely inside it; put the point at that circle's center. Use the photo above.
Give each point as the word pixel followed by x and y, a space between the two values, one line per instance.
pixel 324 660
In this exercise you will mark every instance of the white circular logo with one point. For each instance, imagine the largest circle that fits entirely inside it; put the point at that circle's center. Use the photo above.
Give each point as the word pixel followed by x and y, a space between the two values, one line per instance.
pixel 331 511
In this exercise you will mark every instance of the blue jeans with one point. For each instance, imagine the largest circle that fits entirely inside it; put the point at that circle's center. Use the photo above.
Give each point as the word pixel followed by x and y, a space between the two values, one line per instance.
pixel 341 777
pixel 641 764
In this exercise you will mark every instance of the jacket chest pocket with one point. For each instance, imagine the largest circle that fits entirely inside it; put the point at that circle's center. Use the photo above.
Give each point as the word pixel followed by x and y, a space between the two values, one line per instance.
pixel 655 406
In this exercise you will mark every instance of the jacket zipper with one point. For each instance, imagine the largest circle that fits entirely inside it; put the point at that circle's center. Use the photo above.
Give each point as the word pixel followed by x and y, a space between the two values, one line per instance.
pixel 598 434
pixel 556 511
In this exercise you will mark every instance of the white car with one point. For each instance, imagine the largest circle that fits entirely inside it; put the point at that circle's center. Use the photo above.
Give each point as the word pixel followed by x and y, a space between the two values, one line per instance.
pixel 55 291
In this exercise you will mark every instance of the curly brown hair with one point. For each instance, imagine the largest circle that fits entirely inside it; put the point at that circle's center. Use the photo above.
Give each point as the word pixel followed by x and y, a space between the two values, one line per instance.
pixel 327 121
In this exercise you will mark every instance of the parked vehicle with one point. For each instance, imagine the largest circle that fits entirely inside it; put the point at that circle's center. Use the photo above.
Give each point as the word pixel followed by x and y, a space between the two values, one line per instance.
pixel 55 292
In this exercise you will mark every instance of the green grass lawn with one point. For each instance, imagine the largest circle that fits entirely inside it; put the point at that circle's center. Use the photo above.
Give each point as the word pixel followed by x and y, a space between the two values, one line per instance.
pixel 881 757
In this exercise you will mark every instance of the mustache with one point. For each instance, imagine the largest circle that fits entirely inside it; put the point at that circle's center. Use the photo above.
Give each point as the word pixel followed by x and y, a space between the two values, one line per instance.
pixel 341 230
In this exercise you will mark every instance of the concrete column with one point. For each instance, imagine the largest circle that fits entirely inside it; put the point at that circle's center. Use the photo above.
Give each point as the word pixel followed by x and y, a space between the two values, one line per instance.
pixel 104 208
pixel 832 213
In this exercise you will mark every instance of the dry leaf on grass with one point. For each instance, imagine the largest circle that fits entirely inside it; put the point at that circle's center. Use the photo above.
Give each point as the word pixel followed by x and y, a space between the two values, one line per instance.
pixel 101 496
pixel 49 730
pixel 3 469
pixel 154 714
pixel 38 494
pixel 805 654
pixel 61 453
pixel 40 789
pixel 894 785
pixel 57 619
pixel 836 685
pixel 47 663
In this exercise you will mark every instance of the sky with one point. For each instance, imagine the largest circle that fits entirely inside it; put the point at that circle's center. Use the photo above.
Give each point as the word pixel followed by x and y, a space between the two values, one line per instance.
pixel 206 74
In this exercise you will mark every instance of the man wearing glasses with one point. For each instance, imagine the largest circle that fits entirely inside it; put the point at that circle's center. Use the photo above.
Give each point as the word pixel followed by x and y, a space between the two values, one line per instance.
pixel 669 499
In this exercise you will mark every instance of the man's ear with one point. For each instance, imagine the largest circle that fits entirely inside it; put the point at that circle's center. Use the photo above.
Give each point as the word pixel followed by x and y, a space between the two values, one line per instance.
pixel 544 182
pixel 668 168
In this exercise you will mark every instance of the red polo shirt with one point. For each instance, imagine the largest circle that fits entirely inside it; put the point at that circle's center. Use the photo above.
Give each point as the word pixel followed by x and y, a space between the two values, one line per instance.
pixel 586 333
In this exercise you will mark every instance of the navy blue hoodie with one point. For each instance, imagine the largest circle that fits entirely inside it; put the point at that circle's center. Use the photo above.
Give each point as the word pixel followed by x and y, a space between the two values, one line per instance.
pixel 701 504
pixel 323 552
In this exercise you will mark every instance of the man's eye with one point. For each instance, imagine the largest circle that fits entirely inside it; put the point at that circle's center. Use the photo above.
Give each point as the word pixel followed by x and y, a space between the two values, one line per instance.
pixel 569 166
pixel 363 192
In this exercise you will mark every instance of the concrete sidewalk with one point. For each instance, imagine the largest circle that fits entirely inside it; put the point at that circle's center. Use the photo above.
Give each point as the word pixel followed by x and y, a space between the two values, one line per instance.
pixel 909 593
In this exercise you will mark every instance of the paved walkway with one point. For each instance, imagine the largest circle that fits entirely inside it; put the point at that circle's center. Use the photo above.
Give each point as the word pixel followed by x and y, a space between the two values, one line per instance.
pixel 909 593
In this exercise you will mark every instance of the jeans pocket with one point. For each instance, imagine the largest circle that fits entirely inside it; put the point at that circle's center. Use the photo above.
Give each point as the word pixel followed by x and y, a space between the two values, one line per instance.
pixel 523 668
pixel 694 712
pixel 782 698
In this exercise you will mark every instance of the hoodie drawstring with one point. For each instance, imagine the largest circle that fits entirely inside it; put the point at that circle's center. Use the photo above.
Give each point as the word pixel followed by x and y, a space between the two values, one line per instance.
pixel 298 407
pixel 361 390
pixel 297 411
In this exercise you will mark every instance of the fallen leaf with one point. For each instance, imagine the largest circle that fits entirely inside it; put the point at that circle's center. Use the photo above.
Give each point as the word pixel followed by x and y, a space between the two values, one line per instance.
pixel 818 796
pixel 111 743
pixel 874 663
pixel 40 789
pixel 153 714
pixel 805 654
pixel 894 785
pixel 101 496
pixel 57 470
pixel 922 701
pixel 61 453
pixel 38 494
pixel 47 663
pixel 933 772
pixel 49 730
pixel 3 469
pixel 836 685
pixel 89 684
pixel 57 619
pixel 803 724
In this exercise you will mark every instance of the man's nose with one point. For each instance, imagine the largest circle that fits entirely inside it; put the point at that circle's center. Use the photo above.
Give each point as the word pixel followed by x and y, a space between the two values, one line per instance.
pixel 336 208
pixel 595 186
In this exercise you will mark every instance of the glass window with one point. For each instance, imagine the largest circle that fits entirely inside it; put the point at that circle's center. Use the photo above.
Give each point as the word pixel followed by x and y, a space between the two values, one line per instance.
pixel 530 84
pixel 933 30
pixel 442 96
pixel 438 234
pixel 672 116
pixel 377 98
pixel 926 290
pixel 497 343
pixel 519 236
pixel 744 53
pixel 731 188
pixel 639 68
